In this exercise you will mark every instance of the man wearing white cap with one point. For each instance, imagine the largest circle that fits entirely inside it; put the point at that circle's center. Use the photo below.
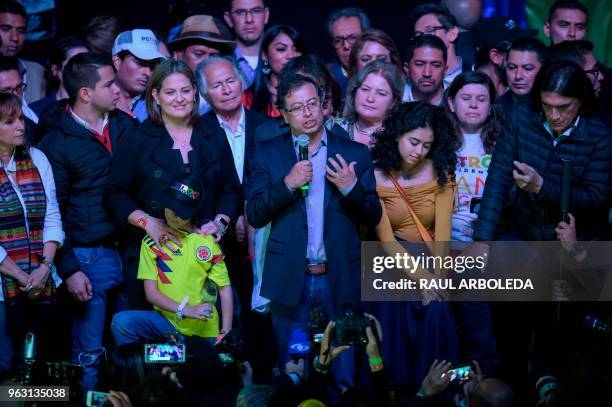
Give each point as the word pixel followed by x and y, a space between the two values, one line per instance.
pixel 135 54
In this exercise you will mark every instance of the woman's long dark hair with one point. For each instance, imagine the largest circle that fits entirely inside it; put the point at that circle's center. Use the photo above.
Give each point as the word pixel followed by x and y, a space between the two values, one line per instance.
pixel 407 117
pixel 493 125
pixel 261 95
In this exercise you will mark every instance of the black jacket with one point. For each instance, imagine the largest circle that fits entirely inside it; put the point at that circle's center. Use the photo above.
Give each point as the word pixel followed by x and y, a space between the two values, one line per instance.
pixel 589 146
pixel 213 133
pixel 80 167
pixel 515 107
pixel 146 164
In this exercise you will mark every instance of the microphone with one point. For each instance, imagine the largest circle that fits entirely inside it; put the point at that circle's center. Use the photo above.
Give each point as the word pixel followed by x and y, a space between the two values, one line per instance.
pixel 302 143
pixel 566 186
pixel 29 356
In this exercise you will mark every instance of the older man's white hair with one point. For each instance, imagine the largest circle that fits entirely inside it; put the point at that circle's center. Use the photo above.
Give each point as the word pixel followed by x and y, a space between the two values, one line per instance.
pixel 203 85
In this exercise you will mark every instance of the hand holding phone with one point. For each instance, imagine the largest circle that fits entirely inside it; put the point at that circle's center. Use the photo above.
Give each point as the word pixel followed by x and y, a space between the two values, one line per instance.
pixel 459 373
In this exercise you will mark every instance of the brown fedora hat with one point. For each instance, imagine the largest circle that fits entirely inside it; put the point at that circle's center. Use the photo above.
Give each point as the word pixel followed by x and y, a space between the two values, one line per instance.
pixel 205 29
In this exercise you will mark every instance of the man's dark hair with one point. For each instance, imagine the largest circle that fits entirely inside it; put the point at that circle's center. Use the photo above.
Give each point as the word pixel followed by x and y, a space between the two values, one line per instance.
pixel 13 7
pixel 425 41
pixel 567 5
pixel 446 18
pixel 567 79
pixel 228 7
pixel 311 65
pixel 288 84
pixel 81 71
pixel 347 12
pixel 530 44
pixel 573 51
pixel 58 54
pixel 9 64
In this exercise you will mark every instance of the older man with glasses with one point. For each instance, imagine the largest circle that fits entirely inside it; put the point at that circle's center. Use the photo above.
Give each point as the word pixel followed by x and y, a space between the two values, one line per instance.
pixel 344 27
pixel 248 19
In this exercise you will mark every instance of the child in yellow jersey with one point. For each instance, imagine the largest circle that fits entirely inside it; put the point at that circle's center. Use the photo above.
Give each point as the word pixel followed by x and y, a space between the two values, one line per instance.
pixel 176 281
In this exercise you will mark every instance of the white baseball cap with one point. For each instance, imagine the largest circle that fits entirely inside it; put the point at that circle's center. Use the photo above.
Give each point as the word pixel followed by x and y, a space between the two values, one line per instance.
pixel 141 43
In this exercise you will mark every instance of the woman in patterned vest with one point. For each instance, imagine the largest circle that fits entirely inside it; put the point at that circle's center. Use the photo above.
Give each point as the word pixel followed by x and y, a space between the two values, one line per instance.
pixel 30 233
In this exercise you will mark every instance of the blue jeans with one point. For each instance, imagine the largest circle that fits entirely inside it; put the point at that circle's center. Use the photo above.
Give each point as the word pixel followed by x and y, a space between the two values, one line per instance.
pixel 135 326
pixel 103 269
pixel 6 344
pixel 316 291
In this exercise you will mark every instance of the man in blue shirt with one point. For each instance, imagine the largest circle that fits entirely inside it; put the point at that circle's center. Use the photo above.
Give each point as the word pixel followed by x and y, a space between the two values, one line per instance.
pixel 313 252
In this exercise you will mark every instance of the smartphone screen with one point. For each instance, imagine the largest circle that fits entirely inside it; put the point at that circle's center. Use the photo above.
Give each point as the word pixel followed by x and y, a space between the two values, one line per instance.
pixel 226 358
pixel 460 373
pixel 97 399
pixel 164 353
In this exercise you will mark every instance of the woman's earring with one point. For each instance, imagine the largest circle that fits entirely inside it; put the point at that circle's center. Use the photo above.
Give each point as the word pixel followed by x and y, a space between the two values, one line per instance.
pixel 265 69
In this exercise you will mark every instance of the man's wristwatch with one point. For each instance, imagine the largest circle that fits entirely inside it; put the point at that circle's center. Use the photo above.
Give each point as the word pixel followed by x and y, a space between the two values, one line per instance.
pixel 222 224
pixel 47 262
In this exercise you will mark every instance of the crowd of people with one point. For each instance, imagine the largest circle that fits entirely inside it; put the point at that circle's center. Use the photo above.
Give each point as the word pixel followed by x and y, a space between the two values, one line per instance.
pixel 211 187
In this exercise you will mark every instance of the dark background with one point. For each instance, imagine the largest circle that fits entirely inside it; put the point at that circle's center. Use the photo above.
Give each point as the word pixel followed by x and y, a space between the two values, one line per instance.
pixel 308 17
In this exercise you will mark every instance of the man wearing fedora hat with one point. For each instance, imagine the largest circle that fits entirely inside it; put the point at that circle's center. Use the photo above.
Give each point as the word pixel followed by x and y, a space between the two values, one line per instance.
pixel 201 36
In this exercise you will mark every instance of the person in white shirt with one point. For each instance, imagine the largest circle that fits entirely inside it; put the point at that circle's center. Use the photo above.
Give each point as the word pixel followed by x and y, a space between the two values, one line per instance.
pixel 222 84
pixel 471 98
pixel 30 233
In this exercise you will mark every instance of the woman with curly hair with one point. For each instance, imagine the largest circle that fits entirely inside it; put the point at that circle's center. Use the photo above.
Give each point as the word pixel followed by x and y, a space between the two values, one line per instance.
pixel 471 107
pixel 414 166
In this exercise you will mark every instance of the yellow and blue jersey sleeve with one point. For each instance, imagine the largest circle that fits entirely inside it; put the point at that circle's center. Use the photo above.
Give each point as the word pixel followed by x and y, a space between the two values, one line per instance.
pixel 210 256
pixel 147 268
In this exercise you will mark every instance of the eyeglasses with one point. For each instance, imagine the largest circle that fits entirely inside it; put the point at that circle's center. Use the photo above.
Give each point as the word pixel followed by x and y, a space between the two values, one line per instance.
pixel 17 90
pixel 301 108
pixel 338 42
pixel 429 30
pixel 254 12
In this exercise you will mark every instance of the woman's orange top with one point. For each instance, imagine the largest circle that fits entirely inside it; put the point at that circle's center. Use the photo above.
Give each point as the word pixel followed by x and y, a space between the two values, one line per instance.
pixel 432 203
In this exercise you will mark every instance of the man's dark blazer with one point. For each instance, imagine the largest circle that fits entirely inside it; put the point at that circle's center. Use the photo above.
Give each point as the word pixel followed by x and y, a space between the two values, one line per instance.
pixel 269 200
pixel 252 120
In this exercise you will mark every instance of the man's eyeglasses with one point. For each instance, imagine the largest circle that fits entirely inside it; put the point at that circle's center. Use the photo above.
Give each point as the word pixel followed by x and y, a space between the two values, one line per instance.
pixel 301 108
pixel 254 12
pixel 429 30
pixel 338 42
pixel 17 90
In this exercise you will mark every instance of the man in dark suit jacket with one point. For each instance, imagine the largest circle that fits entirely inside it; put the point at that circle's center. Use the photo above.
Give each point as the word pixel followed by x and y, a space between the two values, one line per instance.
pixel 313 253
pixel 221 83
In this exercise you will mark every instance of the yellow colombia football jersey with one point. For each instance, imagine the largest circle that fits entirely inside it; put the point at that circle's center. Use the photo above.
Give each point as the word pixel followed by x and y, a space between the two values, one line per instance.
pixel 183 273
